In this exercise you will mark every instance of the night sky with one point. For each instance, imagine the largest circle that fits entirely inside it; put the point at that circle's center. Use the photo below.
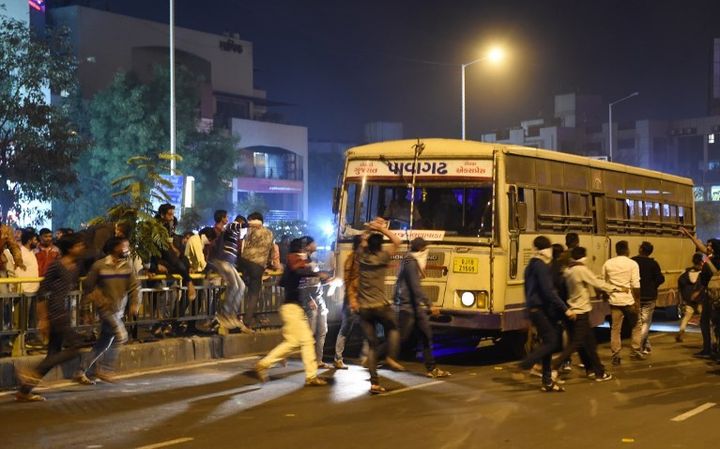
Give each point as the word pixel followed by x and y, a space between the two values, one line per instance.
pixel 343 63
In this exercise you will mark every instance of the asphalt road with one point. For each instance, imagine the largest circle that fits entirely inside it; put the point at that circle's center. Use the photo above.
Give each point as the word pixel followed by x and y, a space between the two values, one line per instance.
pixel 667 401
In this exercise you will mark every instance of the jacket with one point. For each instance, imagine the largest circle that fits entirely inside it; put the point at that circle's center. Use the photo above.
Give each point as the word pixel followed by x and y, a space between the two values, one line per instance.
pixel 408 292
pixel 651 277
pixel 116 282
pixel 688 285
pixel 539 290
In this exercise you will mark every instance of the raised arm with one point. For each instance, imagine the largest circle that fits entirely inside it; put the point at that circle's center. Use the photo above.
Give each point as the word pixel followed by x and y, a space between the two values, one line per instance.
pixel 698 243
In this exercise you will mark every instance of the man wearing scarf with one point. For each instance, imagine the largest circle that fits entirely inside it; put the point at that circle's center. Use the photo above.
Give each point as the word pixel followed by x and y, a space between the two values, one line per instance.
pixel 414 304
pixel 544 308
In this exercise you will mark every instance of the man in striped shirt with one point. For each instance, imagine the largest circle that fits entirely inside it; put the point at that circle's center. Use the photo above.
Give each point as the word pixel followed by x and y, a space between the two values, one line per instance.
pixel 54 316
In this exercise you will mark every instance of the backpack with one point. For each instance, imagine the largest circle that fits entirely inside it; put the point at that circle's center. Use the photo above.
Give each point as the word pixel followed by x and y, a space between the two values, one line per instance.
pixel 713 287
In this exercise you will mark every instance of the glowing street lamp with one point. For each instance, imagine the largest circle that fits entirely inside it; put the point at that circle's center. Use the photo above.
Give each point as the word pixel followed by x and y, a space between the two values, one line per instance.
pixel 495 55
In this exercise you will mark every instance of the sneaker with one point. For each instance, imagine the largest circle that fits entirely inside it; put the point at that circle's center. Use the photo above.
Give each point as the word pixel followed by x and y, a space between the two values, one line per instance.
pixel 107 376
pixel 394 365
pixel 338 364
pixel 591 375
pixel 565 367
pixel 437 372
pixel 262 373
pixel 616 360
pixel 637 355
pixel 82 379
pixel 604 377
pixel 315 382
pixel 552 388
pixel 28 397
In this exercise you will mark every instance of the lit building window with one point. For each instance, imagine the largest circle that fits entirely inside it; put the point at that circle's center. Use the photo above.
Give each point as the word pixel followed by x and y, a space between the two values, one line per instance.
pixel 711 138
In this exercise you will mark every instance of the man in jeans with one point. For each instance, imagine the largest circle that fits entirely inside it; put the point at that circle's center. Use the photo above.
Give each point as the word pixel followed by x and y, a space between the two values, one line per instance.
pixel 624 273
pixel 544 309
pixel 257 249
pixel 222 260
pixel 651 278
pixel 350 317
pixel 375 306
pixel 111 283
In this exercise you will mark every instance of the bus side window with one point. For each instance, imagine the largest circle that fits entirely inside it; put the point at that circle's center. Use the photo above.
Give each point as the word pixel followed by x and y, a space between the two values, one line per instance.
pixel 528 196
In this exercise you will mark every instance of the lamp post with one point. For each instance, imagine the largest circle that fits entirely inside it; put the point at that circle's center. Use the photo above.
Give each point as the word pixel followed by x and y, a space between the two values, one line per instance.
pixel 495 55
pixel 172 87
pixel 610 122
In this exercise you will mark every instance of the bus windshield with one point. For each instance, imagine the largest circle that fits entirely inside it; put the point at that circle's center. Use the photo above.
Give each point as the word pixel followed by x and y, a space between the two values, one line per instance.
pixel 457 209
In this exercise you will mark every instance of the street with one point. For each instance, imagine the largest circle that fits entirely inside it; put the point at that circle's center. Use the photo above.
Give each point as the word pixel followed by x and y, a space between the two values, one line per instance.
pixel 664 402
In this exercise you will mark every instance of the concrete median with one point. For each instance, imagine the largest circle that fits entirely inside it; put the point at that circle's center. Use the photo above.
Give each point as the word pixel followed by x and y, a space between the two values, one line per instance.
pixel 151 355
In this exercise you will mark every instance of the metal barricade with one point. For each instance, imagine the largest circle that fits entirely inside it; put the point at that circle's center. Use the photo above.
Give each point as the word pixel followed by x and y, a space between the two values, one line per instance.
pixel 167 302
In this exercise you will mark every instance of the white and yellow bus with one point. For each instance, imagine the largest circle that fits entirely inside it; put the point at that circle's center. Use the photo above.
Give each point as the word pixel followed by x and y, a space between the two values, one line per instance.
pixel 481 205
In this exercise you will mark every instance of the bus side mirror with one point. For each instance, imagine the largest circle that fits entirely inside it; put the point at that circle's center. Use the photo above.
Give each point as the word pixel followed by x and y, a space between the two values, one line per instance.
pixel 521 215
pixel 336 201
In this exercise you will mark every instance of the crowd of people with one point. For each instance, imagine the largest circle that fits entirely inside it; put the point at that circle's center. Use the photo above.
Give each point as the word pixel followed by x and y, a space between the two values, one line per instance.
pixel 558 286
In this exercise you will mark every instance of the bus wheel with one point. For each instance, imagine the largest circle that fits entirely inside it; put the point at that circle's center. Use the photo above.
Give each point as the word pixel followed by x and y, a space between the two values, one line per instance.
pixel 516 344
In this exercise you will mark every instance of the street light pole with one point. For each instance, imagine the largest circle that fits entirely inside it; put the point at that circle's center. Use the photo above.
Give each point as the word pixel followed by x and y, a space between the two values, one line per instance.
pixel 610 122
pixel 172 87
pixel 462 94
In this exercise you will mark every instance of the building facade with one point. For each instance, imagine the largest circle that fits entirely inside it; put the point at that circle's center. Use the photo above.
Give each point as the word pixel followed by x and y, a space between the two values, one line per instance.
pixel 106 43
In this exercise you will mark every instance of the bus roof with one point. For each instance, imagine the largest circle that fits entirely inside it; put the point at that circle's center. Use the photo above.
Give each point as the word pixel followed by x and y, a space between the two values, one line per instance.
pixel 397 149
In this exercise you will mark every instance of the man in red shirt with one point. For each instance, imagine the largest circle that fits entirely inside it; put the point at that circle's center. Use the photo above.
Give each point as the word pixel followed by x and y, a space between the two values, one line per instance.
pixel 46 252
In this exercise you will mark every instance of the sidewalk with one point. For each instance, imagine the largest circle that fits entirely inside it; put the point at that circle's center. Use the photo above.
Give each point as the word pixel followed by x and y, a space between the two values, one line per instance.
pixel 163 353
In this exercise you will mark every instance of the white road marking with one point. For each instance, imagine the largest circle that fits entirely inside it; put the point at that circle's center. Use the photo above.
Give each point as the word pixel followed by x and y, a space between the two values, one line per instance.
pixel 413 387
pixel 143 373
pixel 693 412
pixel 166 443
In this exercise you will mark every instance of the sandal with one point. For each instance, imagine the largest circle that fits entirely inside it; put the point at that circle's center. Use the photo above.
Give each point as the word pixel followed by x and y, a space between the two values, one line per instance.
pixel 552 388
pixel 377 389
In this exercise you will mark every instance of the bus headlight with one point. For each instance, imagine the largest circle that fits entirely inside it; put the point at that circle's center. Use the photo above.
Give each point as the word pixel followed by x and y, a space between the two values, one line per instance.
pixel 477 299
pixel 467 299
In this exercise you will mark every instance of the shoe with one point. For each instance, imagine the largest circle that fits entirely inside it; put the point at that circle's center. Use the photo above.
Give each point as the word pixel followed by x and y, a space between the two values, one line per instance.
pixel 315 382
pixel 616 360
pixel 604 377
pixel 552 388
pixel 28 397
pixel 591 375
pixel 338 364
pixel 637 355
pixel 394 365
pixel 554 375
pixel 437 372
pixel 107 376
pixel 377 389
pixel 565 367
pixel 679 338
pixel 703 355
pixel 647 350
pixel 262 373
pixel 82 379
pixel 323 365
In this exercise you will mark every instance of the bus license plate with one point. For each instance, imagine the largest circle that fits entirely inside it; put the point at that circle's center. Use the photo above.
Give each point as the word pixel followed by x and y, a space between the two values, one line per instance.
pixel 466 265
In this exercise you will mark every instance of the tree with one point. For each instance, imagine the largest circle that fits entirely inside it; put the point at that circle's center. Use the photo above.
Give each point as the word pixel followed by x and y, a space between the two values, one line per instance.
pixel 39 143
pixel 132 119
pixel 252 203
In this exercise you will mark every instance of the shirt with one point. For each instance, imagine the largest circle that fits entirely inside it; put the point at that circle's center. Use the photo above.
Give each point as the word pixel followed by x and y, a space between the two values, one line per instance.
pixel 623 272
pixel 59 281
pixel 30 271
pixel 539 290
pixel 258 246
pixel 579 279
pixel 373 267
pixel 45 257
pixel 226 245
pixel 194 251
pixel 117 282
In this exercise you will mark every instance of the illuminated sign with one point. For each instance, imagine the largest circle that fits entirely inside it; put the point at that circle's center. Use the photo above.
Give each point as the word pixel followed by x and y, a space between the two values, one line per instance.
pixel 424 169
pixel 37 5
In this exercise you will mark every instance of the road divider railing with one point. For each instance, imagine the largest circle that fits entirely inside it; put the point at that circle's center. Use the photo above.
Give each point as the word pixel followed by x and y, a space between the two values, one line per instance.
pixel 164 299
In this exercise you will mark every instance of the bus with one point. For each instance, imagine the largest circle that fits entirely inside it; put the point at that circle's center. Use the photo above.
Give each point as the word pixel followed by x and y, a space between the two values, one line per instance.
pixel 480 205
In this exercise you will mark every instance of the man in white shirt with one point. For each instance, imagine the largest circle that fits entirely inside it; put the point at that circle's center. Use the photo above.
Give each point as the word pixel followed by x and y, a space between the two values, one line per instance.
pixel 624 273
pixel 28 242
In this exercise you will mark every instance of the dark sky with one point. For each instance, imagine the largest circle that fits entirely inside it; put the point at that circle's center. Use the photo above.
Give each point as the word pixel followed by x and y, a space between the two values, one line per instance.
pixel 343 63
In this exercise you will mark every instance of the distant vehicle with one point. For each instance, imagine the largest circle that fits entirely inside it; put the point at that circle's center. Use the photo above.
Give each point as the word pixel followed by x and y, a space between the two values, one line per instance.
pixel 481 205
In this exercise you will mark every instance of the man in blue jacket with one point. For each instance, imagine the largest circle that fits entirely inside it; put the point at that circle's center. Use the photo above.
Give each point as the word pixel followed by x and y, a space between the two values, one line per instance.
pixel 545 308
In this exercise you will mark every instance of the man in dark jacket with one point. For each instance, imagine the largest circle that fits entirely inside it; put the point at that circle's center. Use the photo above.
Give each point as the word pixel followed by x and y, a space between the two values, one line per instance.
pixel 414 305
pixel 544 309
pixel 706 314
pixel 651 278
pixel 691 293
